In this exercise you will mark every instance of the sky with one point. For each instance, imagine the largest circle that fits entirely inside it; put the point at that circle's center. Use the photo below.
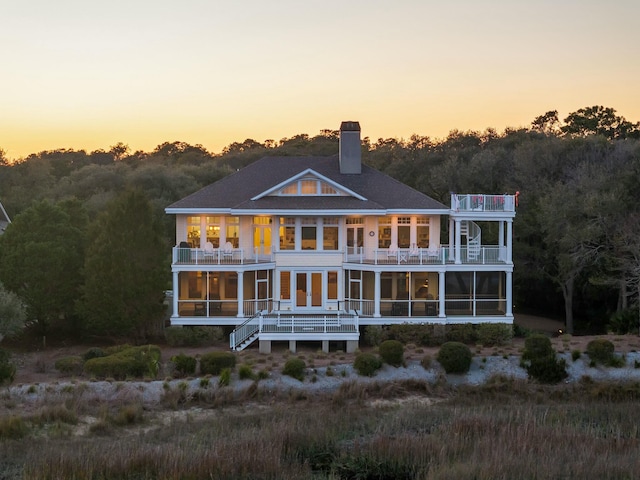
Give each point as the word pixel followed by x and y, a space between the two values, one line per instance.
pixel 81 74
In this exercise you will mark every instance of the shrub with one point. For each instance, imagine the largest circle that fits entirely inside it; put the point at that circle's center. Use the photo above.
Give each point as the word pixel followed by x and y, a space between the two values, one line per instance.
pixel 94 352
pixel 575 355
pixel 537 346
pixel 540 360
pixel 624 322
pixel 547 369
pixel 184 364
pixel 7 368
pixel 373 335
pixel 294 367
pixel 494 334
pixel 455 357
pixel 71 365
pixel 601 350
pixel 225 377
pixel 214 362
pixel 200 336
pixel 426 361
pixel 463 333
pixel 410 333
pixel 367 364
pixel 245 372
pixel 126 362
pixel 392 352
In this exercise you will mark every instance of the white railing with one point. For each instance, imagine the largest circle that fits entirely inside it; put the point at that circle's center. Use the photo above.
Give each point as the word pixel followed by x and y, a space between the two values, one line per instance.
pixel 217 256
pixel 471 202
pixel 488 254
pixel 245 331
pixel 251 307
pixel 309 323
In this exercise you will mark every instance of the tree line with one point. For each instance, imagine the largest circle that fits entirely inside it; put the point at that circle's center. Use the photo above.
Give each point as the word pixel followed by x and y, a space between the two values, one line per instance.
pixel 576 233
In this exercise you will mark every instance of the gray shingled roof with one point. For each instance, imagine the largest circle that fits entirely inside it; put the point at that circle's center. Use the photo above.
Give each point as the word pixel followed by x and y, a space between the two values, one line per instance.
pixel 236 190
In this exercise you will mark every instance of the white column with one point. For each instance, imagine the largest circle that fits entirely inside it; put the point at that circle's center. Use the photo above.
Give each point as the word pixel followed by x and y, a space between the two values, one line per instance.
pixel 441 294
pixel 240 294
pixel 394 231
pixel 509 291
pixel 175 294
pixel 452 230
pixel 458 241
pixel 413 232
pixel 376 294
pixel 501 250
pixel 509 241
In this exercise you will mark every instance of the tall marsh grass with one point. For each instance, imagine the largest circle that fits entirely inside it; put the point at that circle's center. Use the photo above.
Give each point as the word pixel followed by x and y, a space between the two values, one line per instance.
pixel 504 430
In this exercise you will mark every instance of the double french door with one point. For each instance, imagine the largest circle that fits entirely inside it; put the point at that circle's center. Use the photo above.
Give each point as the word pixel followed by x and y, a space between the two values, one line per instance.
pixel 309 292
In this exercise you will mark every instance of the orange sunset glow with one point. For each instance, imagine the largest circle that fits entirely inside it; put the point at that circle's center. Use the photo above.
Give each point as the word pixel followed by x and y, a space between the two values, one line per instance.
pixel 86 75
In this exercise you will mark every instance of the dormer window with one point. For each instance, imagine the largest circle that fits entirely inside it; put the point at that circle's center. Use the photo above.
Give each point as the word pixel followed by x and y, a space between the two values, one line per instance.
pixel 309 186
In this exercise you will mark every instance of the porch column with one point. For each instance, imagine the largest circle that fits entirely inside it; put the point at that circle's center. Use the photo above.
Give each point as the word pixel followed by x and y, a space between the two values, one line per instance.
pixel 509 241
pixel 509 292
pixel 240 294
pixel 394 231
pixel 175 294
pixel 458 241
pixel 452 232
pixel 441 294
pixel 376 294
pixel 501 252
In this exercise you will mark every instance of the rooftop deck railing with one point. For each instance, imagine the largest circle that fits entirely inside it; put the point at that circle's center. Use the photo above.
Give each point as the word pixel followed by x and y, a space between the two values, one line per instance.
pixel 483 203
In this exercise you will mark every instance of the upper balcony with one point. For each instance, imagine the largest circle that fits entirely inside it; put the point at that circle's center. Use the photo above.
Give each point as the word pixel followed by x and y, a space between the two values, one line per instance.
pixel 470 202
pixel 477 255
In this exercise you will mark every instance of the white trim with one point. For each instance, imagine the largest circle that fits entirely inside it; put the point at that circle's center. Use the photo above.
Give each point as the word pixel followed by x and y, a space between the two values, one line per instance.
pixel 4 212
pixel 297 177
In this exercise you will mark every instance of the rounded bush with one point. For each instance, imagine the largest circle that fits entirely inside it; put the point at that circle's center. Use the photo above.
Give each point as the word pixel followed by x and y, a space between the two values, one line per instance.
pixel 537 346
pixel 547 369
pixel 71 365
pixel 184 364
pixel 392 352
pixel 366 364
pixel 601 350
pixel 214 362
pixel 294 367
pixel 455 357
pixel 94 352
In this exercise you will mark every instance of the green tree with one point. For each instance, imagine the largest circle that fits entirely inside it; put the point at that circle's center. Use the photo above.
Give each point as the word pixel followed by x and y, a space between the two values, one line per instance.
pixel 125 269
pixel 13 313
pixel 598 120
pixel 41 256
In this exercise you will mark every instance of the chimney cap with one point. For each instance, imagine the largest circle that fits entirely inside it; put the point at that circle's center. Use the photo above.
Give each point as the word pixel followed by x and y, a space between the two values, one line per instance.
pixel 350 126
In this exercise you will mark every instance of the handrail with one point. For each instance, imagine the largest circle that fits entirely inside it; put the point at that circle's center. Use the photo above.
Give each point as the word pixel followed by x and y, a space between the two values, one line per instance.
pixel 242 332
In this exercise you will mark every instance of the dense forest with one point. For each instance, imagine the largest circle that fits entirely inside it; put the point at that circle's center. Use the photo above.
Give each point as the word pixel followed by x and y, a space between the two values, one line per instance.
pixel 576 232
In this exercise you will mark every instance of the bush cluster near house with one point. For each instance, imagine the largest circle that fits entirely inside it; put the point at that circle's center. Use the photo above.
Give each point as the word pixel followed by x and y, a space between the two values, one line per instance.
pixel 602 351
pixel 184 364
pixel 294 367
pixel 125 361
pixel 455 357
pixel 192 336
pixel 487 334
pixel 392 352
pixel 539 359
pixel 367 364
pixel 213 363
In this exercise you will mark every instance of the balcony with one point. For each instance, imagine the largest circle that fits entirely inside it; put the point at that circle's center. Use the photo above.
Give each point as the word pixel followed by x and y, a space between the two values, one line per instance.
pixel 483 203
pixel 217 256
pixel 483 255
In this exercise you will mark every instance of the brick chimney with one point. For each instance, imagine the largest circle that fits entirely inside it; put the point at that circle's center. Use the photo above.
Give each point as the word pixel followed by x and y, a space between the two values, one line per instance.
pixel 350 148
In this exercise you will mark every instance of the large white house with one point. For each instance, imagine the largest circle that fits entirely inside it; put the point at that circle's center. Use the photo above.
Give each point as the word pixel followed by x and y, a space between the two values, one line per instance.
pixel 312 248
